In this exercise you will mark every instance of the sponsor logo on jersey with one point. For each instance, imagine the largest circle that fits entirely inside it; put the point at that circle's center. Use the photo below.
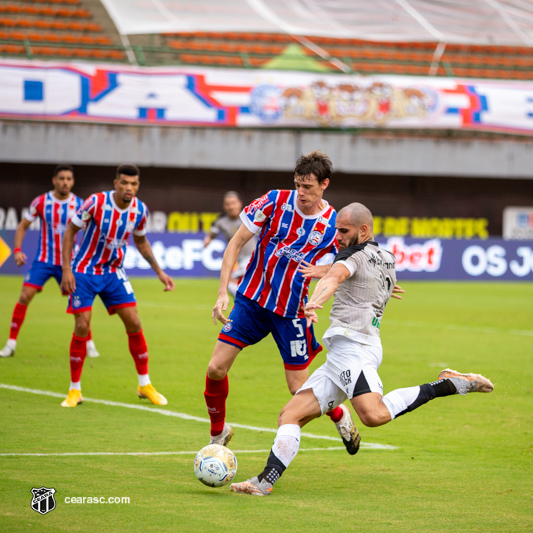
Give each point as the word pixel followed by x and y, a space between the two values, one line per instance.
pixel 60 229
pixel 259 216
pixel 287 207
pixel 315 238
pixel 115 244
pixel 85 216
pixel 287 251
pixel 300 231
pixel 345 377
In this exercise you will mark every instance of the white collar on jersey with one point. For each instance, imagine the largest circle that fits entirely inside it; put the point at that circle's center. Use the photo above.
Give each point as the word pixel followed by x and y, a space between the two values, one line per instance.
pixel 66 200
pixel 308 217
pixel 115 206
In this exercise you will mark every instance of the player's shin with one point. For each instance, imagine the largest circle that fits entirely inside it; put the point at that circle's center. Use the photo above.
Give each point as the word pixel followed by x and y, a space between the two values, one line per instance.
pixel 284 450
pixel 401 401
pixel 78 352
pixel 19 313
pixel 216 392
pixel 139 352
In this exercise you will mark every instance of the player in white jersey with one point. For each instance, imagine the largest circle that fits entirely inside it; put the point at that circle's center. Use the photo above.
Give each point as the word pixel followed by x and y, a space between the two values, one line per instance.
pixel 228 224
pixel 362 279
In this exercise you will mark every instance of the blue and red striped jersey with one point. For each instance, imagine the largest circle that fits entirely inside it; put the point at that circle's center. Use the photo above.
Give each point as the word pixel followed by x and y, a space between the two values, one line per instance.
pixel 55 215
pixel 106 233
pixel 286 237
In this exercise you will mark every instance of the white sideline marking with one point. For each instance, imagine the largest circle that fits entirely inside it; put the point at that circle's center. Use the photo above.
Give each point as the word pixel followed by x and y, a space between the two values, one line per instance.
pixel 369 445
pixel 460 327
pixel 334 448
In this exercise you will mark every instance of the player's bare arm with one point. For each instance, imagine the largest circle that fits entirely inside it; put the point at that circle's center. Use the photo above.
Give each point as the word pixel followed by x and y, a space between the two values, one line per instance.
pixel 309 270
pixel 324 290
pixel 19 255
pixel 231 254
pixel 68 282
pixel 145 249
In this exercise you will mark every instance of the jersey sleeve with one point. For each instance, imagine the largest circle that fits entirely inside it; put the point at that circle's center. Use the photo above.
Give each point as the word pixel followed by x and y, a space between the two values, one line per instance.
pixel 349 258
pixel 141 228
pixel 85 212
pixel 258 213
pixel 214 229
pixel 35 210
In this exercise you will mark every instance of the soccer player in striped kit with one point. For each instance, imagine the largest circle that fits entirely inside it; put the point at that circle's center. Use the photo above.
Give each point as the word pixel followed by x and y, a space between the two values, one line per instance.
pixel 293 226
pixel 108 219
pixel 55 209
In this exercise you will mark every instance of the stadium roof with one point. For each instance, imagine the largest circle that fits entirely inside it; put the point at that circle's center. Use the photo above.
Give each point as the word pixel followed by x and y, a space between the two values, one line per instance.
pixel 486 22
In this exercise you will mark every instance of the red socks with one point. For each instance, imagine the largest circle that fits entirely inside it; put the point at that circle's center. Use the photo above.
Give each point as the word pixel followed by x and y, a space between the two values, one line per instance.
pixel 215 394
pixel 17 319
pixel 139 352
pixel 335 414
pixel 78 352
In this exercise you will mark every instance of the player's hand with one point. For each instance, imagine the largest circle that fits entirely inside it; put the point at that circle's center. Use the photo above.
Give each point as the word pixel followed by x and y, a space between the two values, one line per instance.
pixel 20 258
pixel 167 281
pixel 218 311
pixel 312 271
pixel 68 282
pixel 310 313
pixel 397 290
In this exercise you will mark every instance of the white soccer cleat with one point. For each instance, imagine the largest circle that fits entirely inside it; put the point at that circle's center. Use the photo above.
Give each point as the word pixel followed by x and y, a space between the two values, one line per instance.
pixel 465 383
pixel 224 437
pixel 91 350
pixel 348 432
pixel 7 351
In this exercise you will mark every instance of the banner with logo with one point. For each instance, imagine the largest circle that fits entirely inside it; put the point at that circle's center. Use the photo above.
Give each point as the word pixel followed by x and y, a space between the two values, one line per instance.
pixel 184 255
pixel 258 98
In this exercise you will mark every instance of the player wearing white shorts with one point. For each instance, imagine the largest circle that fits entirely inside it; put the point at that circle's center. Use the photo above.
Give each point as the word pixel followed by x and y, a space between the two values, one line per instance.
pixel 363 279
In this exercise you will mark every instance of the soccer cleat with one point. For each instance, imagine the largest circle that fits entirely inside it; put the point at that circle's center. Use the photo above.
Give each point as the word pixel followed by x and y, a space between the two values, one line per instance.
pixel 73 398
pixel 91 350
pixel 253 486
pixel 224 437
pixel 348 432
pixel 149 392
pixel 7 351
pixel 465 383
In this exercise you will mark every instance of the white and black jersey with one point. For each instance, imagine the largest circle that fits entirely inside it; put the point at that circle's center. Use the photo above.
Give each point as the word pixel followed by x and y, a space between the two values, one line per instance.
pixel 228 227
pixel 360 300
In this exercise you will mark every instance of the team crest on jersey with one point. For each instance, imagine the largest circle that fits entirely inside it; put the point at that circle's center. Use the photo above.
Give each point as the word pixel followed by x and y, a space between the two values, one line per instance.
pixel 43 500
pixel 76 301
pixel 227 327
pixel 315 238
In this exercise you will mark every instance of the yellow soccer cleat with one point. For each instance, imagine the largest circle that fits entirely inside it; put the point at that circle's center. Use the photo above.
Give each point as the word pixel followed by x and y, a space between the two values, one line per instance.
pixel 73 398
pixel 149 392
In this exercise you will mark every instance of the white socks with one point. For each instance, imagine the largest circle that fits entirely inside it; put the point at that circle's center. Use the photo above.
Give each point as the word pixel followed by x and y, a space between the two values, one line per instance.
pixel 287 443
pixel 11 343
pixel 144 379
pixel 75 385
pixel 398 400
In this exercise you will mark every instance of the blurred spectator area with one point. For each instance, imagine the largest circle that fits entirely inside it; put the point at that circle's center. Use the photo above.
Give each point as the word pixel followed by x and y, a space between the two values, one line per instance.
pixel 82 29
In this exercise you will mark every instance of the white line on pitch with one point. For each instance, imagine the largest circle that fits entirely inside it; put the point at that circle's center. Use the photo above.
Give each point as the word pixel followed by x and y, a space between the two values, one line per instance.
pixel 370 445
pixel 332 448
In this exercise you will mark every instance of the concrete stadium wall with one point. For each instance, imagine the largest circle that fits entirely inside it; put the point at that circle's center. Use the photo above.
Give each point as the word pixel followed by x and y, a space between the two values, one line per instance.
pixel 261 150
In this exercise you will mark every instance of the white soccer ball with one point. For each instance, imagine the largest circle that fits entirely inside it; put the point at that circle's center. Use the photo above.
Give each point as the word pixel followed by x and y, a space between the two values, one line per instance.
pixel 215 465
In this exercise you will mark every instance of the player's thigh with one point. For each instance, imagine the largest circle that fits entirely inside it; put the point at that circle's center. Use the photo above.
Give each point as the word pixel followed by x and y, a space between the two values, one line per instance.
pixel 222 359
pixel 300 409
pixel 130 318
pixel 296 343
pixel 296 378
pixel 82 299
pixel 327 392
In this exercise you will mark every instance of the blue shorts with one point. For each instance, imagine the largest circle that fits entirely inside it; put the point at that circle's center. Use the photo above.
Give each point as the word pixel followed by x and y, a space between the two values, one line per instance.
pixel 250 323
pixel 40 273
pixel 114 289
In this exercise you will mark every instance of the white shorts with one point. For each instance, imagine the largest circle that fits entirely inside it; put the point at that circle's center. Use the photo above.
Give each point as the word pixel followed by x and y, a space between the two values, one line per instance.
pixel 351 369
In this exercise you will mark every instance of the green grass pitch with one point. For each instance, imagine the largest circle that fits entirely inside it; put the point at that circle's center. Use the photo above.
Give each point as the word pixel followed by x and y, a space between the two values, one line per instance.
pixel 458 463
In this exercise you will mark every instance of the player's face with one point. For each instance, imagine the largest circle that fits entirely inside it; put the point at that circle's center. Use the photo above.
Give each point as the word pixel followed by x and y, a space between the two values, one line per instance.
pixel 63 183
pixel 232 206
pixel 347 234
pixel 126 188
pixel 310 191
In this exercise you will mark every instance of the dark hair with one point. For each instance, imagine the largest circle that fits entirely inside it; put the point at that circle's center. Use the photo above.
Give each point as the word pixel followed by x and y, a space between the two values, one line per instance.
pixel 128 170
pixel 59 168
pixel 315 163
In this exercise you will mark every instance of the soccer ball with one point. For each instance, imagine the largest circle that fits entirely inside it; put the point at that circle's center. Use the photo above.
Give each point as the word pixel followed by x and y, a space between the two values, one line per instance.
pixel 215 465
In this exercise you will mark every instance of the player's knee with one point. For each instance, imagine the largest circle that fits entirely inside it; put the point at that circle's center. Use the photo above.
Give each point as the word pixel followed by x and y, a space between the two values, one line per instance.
pixel 216 371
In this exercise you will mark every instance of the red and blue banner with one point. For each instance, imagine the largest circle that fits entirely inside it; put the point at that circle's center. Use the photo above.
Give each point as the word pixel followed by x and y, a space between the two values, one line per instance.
pixel 258 98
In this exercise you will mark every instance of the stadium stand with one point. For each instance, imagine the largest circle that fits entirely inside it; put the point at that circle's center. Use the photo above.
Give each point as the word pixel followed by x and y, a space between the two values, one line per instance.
pixel 82 29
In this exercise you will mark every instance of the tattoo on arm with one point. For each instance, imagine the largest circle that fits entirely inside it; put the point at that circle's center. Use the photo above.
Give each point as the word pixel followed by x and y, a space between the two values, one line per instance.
pixel 317 295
